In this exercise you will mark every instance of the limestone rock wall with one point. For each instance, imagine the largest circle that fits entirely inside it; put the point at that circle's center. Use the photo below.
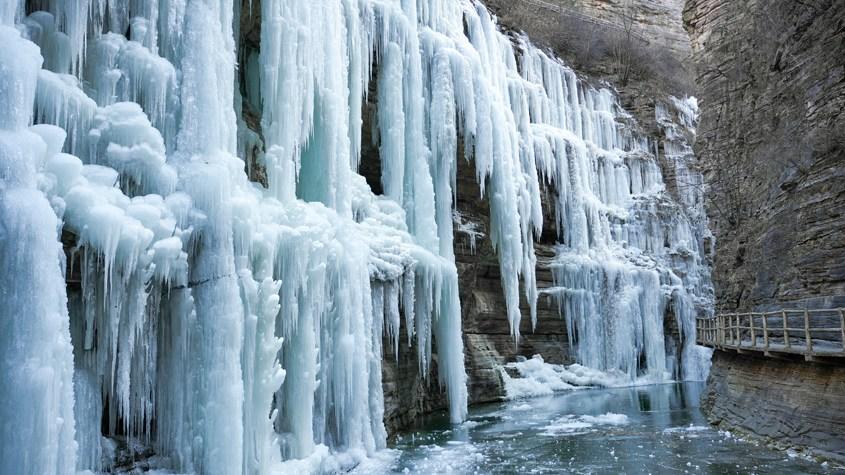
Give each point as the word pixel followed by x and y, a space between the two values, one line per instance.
pixel 803 409
pixel 771 140
pixel 487 339
pixel 657 21
pixel 771 84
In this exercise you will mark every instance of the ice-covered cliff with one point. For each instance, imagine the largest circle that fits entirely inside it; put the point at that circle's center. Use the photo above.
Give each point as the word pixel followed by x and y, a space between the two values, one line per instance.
pixel 227 325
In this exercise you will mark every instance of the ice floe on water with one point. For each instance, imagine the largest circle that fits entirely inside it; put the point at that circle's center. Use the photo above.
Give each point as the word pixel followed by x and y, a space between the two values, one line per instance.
pixel 533 377
pixel 571 424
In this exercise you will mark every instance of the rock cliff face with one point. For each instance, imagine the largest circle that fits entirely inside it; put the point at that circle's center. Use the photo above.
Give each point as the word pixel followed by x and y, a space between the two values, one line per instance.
pixel 771 83
pixel 804 409
pixel 771 78
pixel 656 21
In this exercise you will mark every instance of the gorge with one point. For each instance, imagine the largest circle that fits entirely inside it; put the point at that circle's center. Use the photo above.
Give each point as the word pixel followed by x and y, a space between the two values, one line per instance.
pixel 267 236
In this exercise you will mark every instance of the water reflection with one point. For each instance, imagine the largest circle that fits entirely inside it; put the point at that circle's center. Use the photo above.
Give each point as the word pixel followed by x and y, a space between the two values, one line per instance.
pixel 651 429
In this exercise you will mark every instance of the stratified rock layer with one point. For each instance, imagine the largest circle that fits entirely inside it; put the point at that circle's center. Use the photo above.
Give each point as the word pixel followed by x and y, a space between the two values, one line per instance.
pixel 595 35
pixel 771 139
pixel 771 76
pixel 788 402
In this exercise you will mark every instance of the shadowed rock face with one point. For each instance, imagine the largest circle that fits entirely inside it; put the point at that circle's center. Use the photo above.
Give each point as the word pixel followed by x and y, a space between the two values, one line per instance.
pixel 804 409
pixel 771 80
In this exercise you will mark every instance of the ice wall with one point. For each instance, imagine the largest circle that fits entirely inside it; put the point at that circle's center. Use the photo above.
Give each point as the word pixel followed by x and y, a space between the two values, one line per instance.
pixel 36 360
pixel 233 327
pixel 630 252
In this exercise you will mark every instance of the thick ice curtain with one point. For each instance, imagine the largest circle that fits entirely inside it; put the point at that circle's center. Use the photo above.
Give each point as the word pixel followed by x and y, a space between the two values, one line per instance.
pixel 205 144
pixel 36 359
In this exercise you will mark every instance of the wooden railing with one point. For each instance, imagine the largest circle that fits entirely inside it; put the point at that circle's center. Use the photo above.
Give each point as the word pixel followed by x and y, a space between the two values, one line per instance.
pixel 812 333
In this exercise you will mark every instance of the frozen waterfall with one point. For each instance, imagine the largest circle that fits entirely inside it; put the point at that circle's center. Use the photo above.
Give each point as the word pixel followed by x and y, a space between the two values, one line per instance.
pixel 231 325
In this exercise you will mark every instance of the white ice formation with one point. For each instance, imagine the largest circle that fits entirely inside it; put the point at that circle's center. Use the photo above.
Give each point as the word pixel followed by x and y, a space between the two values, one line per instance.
pixel 231 326
pixel 629 249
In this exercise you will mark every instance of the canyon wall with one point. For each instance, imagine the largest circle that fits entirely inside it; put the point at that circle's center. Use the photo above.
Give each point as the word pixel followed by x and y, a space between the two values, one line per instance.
pixel 771 81
pixel 788 402
pixel 771 142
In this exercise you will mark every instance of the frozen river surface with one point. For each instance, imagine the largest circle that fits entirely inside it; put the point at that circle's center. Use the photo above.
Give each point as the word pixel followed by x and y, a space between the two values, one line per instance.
pixel 656 429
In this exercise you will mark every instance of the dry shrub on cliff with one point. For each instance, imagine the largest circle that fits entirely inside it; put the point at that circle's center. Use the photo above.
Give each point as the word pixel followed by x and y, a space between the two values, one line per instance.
pixel 619 51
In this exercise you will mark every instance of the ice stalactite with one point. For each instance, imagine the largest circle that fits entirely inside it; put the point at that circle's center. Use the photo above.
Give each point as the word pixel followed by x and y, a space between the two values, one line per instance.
pixel 36 357
pixel 209 175
pixel 231 326
pixel 627 252
pixel 678 118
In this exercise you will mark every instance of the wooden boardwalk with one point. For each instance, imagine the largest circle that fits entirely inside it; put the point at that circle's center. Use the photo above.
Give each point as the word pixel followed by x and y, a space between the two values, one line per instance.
pixel 815 334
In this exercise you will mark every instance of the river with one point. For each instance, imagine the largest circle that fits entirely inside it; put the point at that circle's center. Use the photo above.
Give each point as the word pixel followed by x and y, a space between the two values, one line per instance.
pixel 656 429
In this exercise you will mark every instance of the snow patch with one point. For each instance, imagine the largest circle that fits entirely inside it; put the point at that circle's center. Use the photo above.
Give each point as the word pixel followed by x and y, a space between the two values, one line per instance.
pixel 538 378
pixel 574 425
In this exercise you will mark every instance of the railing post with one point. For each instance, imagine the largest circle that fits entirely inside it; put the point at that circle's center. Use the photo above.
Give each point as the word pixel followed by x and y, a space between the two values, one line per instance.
pixel 719 329
pixel 751 325
pixel 766 331
pixel 729 331
pixel 785 330
pixel 807 334
pixel 734 328
pixel 842 327
pixel 730 325
pixel 712 326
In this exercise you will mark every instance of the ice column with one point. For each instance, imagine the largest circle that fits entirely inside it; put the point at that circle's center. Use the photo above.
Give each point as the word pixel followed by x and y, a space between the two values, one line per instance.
pixel 205 142
pixel 36 358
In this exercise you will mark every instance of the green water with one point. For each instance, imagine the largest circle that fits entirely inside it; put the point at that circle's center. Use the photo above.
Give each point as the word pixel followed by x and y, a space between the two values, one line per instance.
pixel 656 429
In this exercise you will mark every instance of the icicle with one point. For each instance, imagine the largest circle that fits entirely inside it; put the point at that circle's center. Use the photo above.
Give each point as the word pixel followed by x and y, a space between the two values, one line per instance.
pixel 35 348
pixel 392 123
pixel 234 328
